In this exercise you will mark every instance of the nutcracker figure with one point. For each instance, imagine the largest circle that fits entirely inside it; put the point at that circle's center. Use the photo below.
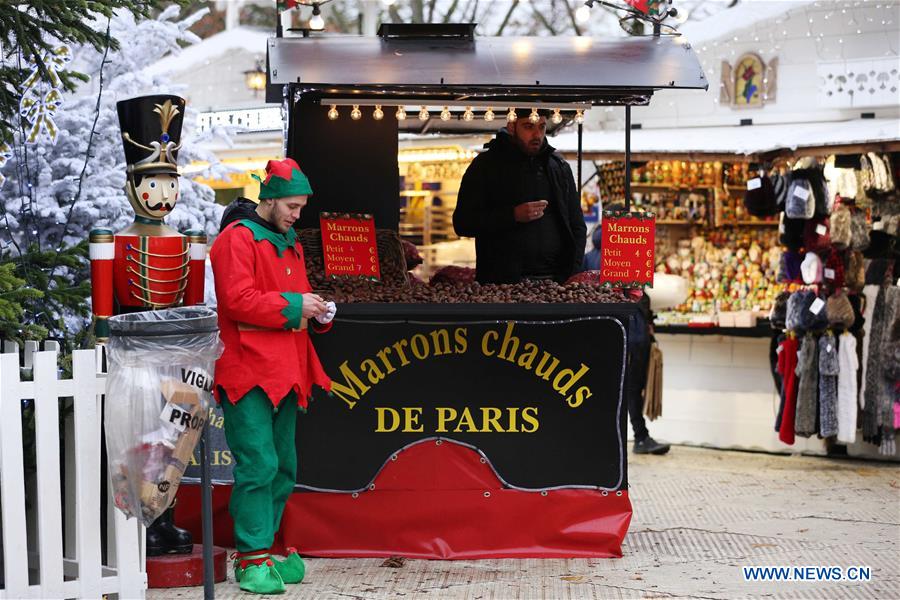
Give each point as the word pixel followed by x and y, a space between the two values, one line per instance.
pixel 149 265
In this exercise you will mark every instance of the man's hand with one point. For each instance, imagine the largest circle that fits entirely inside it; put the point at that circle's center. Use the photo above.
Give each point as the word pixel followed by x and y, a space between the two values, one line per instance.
pixel 313 306
pixel 529 211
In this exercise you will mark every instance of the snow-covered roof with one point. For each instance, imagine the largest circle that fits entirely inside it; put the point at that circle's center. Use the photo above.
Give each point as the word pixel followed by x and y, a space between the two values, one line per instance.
pixel 753 139
pixel 742 16
pixel 239 38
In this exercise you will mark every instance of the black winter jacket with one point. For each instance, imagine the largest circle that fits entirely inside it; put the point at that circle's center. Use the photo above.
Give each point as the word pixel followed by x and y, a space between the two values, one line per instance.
pixel 491 188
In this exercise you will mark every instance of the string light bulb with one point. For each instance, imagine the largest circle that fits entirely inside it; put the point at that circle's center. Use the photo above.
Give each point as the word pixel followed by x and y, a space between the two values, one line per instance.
pixel 511 116
pixel 356 114
pixel 333 113
pixel 378 114
pixel 579 116
pixel 468 115
pixel 400 114
pixel 445 114
pixel 582 14
pixel 316 22
pixel 556 117
pixel 489 114
pixel 424 115
pixel 534 117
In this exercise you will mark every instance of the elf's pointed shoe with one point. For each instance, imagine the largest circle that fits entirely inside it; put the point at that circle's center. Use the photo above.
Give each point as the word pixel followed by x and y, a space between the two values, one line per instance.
pixel 292 568
pixel 256 573
pixel 261 579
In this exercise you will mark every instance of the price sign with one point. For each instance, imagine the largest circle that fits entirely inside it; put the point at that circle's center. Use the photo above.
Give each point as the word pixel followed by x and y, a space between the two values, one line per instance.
pixel 348 245
pixel 626 257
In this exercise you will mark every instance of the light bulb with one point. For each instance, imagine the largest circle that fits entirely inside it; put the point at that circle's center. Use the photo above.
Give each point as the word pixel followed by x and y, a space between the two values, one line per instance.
pixel 468 115
pixel 400 114
pixel 378 114
pixel 356 114
pixel 423 114
pixel 556 118
pixel 489 114
pixel 534 117
pixel 511 116
pixel 445 114
pixel 579 116
pixel 316 22
pixel 333 113
pixel 582 14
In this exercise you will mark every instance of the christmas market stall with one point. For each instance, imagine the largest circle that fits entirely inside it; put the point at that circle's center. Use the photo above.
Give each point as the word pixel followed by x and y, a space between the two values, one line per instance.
pixel 466 420
pixel 723 196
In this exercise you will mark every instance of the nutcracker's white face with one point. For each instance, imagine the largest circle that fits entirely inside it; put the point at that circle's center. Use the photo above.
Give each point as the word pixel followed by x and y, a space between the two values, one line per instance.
pixel 156 195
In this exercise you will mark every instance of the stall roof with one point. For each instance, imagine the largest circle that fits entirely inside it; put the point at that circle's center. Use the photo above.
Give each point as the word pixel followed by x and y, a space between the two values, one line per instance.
pixel 456 70
pixel 750 140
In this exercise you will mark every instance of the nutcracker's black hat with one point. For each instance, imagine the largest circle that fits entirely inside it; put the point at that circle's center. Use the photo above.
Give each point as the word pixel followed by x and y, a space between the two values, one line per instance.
pixel 151 133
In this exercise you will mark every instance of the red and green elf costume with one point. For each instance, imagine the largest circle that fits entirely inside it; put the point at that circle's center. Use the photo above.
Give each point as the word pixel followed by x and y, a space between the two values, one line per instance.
pixel 266 372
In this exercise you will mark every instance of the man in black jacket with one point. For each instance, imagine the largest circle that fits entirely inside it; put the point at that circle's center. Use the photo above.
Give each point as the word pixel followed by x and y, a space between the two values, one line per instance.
pixel 520 203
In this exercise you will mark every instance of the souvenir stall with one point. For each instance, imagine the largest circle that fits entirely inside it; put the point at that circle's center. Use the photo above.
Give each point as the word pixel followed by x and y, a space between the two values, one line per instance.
pixel 723 226
pixel 459 410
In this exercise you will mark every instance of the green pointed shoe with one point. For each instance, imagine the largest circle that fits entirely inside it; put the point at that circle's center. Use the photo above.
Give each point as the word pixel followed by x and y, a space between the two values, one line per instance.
pixel 260 579
pixel 292 569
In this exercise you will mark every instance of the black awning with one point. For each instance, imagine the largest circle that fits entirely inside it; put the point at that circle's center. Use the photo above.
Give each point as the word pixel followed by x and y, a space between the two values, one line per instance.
pixel 448 70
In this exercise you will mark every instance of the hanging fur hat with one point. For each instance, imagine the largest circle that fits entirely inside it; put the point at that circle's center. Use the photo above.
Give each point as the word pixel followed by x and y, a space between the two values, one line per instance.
pixel 809 170
pixel 799 317
pixel 778 315
pixel 840 311
pixel 859 232
pixel 833 270
pixel 855 275
pixel 789 269
pixel 840 226
pixel 881 245
pixel 780 186
pixel 811 268
pixel 759 199
pixel 815 234
pixel 800 202
pixel 791 232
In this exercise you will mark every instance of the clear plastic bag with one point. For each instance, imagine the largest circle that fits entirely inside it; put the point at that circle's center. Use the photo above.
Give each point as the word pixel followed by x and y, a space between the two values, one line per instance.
pixel 158 394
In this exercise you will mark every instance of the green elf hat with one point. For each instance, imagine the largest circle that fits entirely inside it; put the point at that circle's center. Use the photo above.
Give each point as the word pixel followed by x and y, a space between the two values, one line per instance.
pixel 283 178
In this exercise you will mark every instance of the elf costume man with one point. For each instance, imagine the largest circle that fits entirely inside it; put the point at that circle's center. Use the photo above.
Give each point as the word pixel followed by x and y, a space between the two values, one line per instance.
pixel 268 368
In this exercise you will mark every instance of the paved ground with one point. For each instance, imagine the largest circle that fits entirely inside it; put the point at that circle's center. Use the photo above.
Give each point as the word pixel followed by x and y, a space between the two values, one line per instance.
pixel 699 516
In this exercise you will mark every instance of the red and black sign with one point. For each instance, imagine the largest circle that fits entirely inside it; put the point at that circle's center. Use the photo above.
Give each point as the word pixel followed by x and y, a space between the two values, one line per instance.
pixel 544 412
pixel 626 256
pixel 349 246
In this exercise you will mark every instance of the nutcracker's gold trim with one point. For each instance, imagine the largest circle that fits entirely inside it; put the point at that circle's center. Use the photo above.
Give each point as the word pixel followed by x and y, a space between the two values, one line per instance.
pixel 101 238
pixel 197 239
pixel 166 111
pixel 149 291
pixel 152 268
pixel 150 279
pixel 145 253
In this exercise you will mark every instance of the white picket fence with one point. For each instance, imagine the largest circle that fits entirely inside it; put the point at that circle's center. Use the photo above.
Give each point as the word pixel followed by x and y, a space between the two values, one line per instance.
pixel 37 562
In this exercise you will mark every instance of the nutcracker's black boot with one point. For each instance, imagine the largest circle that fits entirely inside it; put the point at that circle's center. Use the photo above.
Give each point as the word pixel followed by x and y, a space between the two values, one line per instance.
pixel 163 537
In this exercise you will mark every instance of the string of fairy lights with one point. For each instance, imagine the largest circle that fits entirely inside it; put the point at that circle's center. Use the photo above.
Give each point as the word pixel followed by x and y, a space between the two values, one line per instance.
pixel 424 114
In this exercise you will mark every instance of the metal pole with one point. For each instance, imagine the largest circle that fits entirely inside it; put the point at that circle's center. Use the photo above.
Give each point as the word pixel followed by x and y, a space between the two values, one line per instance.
pixel 627 157
pixel 580 131
pixel 209 582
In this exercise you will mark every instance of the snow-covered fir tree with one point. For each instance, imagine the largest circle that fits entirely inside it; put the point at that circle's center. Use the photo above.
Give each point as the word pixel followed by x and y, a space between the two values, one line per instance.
pixel 42 200
pixel 54 194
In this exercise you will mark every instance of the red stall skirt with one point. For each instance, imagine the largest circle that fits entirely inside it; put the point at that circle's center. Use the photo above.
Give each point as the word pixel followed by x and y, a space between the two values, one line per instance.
pixel 437 501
